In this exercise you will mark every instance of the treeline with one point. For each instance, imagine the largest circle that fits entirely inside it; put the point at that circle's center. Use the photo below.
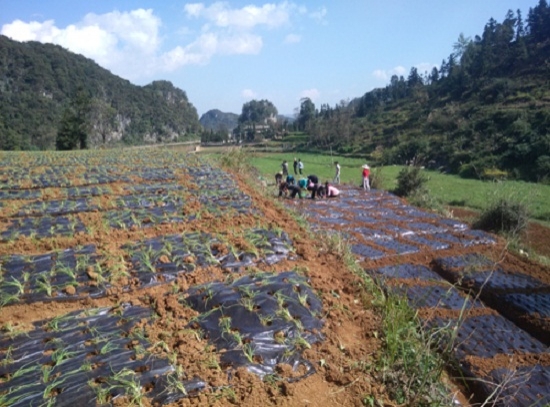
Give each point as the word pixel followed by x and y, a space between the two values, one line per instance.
pixel 484 111
pixel 42 86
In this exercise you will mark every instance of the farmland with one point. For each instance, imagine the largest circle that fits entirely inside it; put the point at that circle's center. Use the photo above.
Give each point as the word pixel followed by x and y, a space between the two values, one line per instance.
pixel 154 277
pixel 151 277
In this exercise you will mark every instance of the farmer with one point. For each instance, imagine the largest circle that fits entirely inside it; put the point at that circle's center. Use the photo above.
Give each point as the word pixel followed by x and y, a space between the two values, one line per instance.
pixel 295 165
pixel 290 179
pixel 336 179
pixel 284 167
pixel 283 189
pixel 366 174
pixel 313 185
pixel 300 165
pixel 330 191
pixel 278 178
pixel 295 190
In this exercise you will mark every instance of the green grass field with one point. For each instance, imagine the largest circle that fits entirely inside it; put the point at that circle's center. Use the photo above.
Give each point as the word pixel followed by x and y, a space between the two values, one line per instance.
pixel 447 189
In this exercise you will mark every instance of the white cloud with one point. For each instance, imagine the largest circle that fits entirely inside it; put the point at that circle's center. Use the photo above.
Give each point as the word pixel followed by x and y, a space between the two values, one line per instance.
pixel 425 67
pixel 380 74
pixel 113 39
pixel 292 39
pixel 130 45
pixel 248 94
pixel 383 75
pixel 319 15
pixel 222 15
pixel 313 94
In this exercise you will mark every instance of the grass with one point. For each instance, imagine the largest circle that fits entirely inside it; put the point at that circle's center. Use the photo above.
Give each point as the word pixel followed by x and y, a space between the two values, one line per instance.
pixel 445 188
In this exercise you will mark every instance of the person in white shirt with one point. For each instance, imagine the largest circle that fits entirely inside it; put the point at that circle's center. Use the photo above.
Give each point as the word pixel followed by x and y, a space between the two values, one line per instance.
pixel 336 179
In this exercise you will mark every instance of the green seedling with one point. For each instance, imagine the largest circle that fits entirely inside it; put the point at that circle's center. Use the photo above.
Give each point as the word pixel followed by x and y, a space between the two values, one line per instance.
pixel 129 382
pixel 248 350
pixel 6 299
pixel 44 284
pixel 17 284
pixel 175 384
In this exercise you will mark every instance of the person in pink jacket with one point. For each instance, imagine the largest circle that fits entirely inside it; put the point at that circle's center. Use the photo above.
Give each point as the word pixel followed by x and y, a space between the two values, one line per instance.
pixel 330 191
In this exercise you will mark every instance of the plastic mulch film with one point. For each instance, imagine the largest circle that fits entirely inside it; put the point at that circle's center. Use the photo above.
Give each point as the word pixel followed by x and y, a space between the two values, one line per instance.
pixel 63 275
pixel 58 207
pixel 218 192
pixel 42 227
pixel 160 260
pixel 260 321
pixel 87 358
pixel 144 217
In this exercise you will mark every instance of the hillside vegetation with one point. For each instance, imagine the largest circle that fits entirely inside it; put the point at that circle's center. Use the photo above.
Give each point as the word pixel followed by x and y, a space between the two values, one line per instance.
pixel 484 113
pixel 43 87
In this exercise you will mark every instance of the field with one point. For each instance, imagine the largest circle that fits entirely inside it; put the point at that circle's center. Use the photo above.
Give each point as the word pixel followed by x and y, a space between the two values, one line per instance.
pixel 154 277
pixel 447 189
pixel 149 277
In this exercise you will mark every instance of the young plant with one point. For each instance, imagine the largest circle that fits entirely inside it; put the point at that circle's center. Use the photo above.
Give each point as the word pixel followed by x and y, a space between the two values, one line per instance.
pixel 248 350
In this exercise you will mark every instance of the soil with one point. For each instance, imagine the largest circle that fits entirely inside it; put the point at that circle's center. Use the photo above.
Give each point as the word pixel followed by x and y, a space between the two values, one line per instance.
pixel 352 325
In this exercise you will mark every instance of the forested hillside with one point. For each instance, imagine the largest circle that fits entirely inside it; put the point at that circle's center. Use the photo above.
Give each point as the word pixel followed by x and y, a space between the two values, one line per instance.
pixel 484 112
pixel 45 90
pixel 216 120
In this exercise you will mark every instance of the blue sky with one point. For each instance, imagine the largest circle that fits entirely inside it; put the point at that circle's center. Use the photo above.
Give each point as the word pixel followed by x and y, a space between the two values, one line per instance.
pixel 224 54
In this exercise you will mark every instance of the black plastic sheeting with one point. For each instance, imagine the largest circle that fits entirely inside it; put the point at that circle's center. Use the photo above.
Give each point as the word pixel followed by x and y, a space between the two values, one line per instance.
pixel 218 192
pixel 488 335
pixel 77 192
pixel 73 359
pixel 43 227
pixel 147 217
pixel 44 277
pixel 159 260
pixel 367 252
pixel 529 303
pixel 397 247
pixel 260 320
pixel 406 271
pixel 435 296
pixel 522 386
pixel 21 194
pixel 57 207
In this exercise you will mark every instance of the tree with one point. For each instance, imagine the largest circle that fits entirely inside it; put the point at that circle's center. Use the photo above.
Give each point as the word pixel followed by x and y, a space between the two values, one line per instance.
pixel 460 46
pixel 74 125
pixel 307 113
pixel 258 112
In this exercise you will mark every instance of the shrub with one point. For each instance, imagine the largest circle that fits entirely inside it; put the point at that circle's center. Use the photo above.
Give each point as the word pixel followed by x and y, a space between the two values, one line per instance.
pixel 409 181
pixel 505 216
pixel 377 178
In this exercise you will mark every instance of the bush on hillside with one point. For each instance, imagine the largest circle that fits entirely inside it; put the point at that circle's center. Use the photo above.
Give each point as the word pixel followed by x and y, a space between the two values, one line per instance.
pixel 504 216
pixel 410 180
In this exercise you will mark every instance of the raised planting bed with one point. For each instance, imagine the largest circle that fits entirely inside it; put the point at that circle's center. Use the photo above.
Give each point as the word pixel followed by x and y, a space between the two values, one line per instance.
pixel 42 227
pixel 260 321
pixel 160 260
pixel 521 386
pixel 405 271
pixel 57 207
pixel 87 358
pixel 61 275
pixel 367 252
pixel 435 296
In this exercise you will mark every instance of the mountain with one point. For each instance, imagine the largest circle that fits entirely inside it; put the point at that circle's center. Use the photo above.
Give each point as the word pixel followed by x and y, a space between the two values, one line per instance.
pixel 40 84
pixel 485 113
pixel 217 120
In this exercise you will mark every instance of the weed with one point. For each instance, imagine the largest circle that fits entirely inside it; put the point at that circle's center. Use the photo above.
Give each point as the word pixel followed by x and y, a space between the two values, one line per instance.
pixel 410 180
pixel 505 216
